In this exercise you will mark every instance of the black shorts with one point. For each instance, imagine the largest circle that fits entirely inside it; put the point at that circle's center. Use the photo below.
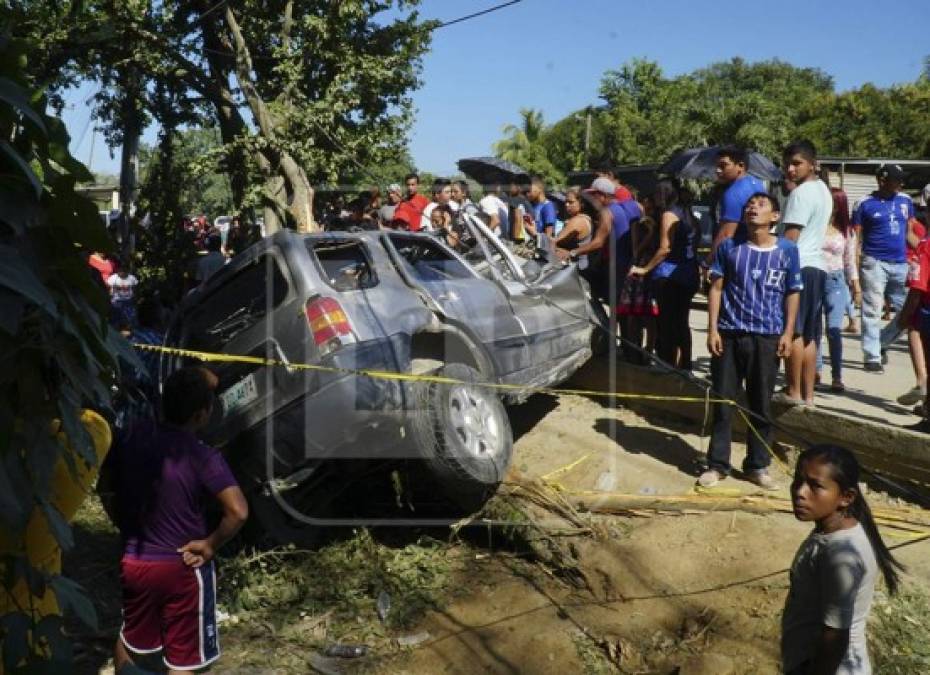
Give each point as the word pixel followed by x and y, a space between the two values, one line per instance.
pixel 809 325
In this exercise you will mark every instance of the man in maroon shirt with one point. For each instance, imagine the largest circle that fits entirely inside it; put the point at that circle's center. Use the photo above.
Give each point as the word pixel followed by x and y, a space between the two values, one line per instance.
pixel 153 485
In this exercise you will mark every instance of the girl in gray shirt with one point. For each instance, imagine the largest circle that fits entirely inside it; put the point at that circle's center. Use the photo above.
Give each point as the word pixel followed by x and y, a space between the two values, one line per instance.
pixel 833 573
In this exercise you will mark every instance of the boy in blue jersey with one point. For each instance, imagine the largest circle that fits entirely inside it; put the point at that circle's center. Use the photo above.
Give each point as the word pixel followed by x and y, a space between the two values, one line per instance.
pixel 752 308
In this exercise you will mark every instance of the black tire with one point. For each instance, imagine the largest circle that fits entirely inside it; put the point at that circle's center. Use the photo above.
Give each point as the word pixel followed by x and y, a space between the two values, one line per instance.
pixel 464 437
pixel 269 523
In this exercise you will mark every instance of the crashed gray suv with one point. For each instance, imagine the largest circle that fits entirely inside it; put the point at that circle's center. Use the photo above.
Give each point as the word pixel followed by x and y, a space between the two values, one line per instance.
pixel 390 301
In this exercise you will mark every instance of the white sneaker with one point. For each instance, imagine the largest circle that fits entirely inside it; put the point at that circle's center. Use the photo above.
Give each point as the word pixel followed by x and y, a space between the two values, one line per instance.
pixel 710 478
pixel 763 480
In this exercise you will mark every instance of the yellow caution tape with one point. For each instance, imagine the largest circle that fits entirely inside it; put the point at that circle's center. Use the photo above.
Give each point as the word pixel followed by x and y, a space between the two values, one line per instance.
pixel 566 468
pixel 410 377
pixel 720 494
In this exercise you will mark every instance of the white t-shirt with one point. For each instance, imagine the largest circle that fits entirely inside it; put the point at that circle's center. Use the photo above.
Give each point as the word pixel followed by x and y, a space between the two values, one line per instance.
pixel 122 289
pixel 810 205
pixel 426 223
pixel 493 205
pixel 832 581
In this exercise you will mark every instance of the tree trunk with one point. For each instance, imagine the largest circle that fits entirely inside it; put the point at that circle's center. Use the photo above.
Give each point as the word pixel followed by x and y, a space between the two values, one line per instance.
pixel 129 161
pixel 297 184
pixel 275 195
pixel 227 114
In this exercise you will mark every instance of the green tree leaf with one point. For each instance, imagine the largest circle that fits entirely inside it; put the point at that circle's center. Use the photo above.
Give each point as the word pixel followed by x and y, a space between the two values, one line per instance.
pixel 16 275
pixel 14 95
pixel 23 166
pixel 15 627
pixel 73 598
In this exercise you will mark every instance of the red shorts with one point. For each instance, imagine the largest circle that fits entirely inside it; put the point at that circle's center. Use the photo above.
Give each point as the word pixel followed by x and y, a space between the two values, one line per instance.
pixel 168 605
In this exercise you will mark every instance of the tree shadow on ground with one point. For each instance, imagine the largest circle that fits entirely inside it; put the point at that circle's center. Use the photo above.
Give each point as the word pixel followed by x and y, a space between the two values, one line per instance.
pixel 525 416
pixel 662 444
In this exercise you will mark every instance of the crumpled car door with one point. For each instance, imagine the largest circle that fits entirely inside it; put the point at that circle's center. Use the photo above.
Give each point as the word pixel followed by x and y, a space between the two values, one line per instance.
pixel 552 308
pixel 478 306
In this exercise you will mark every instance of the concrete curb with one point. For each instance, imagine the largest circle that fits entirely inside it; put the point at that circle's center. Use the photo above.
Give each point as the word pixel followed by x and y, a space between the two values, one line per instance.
pixel 896 452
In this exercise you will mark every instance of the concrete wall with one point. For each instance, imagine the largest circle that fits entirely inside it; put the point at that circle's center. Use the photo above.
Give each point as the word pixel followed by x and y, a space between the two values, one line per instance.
pixel 898 453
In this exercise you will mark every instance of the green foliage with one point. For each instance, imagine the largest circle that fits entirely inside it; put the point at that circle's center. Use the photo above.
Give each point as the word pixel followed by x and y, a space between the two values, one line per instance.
pixel 343 579
pixel 197 171
pixel 869 121
pixel 299 89
pixel 58 354
pixel 646 116
pixel 898 633
pixel 523 145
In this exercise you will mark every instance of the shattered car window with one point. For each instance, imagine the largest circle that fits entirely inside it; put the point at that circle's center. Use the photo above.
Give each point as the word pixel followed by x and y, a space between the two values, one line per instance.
pixel 237 305
pixel 427 261
pixel 345 264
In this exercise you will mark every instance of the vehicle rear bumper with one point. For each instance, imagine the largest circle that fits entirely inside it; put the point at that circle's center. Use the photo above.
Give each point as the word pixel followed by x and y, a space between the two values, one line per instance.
pixel 350 416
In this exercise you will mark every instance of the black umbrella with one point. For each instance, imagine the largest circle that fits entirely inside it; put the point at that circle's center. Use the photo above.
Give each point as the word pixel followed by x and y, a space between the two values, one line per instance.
pixel 493 171
pixel 701 164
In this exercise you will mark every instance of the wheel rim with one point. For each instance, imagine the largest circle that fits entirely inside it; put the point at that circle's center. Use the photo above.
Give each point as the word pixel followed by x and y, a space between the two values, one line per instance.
pixel 475 422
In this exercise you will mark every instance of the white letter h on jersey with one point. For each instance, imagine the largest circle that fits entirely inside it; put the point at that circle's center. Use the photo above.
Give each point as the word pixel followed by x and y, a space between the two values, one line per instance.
pixel 774 278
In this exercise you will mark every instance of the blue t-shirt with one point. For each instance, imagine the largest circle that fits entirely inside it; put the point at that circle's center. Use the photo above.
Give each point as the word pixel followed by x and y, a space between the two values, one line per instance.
pixel 632 210
pixel 884 226
pixel 620 237
pixel 734 201
pixel 545 215
pixel 755 281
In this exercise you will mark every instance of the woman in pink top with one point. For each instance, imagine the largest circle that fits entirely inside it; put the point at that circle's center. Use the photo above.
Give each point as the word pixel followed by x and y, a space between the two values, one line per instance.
pixel 842 267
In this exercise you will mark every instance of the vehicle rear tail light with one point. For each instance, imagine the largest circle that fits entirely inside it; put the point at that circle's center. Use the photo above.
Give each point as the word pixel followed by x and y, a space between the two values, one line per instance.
pixel 329 324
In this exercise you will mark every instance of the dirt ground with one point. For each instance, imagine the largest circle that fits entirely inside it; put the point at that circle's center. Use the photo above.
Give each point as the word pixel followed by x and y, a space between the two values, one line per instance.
pixel 684 592
pixel 702 593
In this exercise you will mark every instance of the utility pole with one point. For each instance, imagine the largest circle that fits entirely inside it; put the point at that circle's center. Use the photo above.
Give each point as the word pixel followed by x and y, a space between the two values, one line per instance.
pixel 90 158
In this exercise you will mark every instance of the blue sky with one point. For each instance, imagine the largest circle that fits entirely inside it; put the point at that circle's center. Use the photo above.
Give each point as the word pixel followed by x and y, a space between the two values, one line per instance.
pixel 551 55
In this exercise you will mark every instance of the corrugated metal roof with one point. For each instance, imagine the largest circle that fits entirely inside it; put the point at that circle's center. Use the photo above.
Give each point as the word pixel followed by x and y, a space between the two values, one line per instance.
pixel 857 186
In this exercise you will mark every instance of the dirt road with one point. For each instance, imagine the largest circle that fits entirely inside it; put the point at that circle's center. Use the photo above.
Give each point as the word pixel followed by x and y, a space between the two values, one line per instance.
pixel 686 592
pixel 702 593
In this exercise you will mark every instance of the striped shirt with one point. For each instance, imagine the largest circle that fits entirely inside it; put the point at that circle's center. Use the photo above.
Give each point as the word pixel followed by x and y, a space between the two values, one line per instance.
pixel 755 282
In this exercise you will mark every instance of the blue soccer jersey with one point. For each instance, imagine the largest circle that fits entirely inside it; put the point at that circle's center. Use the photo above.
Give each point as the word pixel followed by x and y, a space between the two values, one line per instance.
pixel 884 226
pixel 755 281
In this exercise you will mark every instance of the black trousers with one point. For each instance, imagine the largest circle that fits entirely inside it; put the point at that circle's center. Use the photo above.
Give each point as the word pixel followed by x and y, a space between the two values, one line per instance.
pixel 753 358
pixel 674 331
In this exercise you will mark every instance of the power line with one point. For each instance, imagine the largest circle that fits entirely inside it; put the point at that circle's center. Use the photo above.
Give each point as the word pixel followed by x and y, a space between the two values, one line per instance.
pixel 477 14
pixel 211 10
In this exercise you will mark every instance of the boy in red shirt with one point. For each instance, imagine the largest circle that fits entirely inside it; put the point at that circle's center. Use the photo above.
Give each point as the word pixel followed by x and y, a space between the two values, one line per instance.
pixel 916 313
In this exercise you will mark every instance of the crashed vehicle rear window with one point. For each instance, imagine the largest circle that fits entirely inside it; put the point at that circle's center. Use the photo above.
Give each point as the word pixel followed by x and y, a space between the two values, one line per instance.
pixel 238 304
pixel 345 264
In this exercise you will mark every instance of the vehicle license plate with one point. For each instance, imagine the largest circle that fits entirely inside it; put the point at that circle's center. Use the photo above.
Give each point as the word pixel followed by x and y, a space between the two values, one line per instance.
pixel 240 394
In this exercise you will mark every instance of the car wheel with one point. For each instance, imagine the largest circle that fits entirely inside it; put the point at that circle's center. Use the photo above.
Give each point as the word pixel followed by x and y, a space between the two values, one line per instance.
pixel 464 435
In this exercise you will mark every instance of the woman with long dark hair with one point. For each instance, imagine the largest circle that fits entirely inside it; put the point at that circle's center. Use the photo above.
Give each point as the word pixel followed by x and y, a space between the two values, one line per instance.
pixel 834 571
pixel 840 256
pixel 578 226
pixel 674 271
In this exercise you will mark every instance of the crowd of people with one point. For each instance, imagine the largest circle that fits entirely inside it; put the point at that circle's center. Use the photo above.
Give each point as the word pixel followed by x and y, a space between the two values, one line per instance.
pixel 779 268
